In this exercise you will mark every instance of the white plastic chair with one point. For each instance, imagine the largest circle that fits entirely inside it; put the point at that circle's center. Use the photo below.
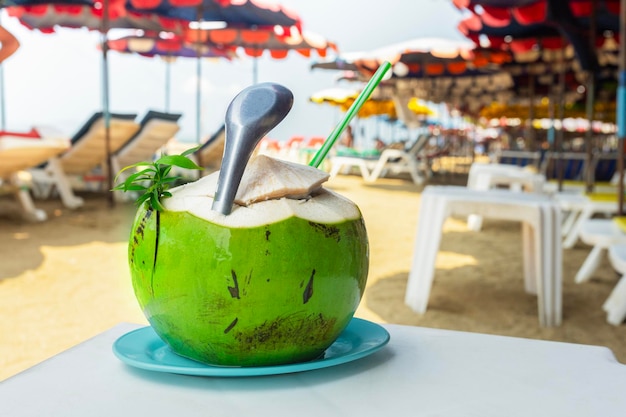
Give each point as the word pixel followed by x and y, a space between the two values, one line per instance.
pixel 601 234
pixel 396 161
pixel 488 176
pixel 581 208
pixel 615 305
pixel 540 217
pixel 339 163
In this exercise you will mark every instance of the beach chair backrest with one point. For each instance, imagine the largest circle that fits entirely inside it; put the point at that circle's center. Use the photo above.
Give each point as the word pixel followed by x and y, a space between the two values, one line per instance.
pixel 89 143
pixel 96 118
pixel 573 165
pixel 210 154
pixel 605 166
pixel 156 128
pixel 418 145
pixel 519 158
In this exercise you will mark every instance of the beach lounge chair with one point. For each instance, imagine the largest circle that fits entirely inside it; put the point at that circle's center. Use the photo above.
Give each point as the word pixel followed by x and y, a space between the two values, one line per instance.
pixel 87 152
pixel 390 161
pixel 519 158
pixel 574 166
pixel 19 153
pixel 155 129
pixel 605 168
pixel 209 155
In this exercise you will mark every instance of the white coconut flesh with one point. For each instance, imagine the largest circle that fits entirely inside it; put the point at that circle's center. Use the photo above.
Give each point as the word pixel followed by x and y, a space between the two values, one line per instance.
pixel 271 190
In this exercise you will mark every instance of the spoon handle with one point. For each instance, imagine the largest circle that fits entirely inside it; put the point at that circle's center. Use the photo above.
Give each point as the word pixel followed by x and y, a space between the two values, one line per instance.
pixel 250 116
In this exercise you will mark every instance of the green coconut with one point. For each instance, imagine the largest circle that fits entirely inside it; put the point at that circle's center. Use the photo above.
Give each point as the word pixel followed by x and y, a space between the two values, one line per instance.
pixel 274 282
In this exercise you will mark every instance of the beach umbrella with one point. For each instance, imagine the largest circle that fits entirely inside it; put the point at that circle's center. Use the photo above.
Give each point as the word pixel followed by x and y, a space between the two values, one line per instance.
pixel 542 111
pixel 343 99
pixel 427 55
pixel 377 106
pixel 168 46
pixel 100 15
pixel 522 24
pixel 103 14
pixel 45 15
pixel 277 41
pixel 432 69
pixel 590 27
pixel 213 14
pixel 374 106
pixel 241 13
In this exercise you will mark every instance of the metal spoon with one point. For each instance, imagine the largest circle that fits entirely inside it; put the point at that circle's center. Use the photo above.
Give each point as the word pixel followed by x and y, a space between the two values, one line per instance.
pixel 250 116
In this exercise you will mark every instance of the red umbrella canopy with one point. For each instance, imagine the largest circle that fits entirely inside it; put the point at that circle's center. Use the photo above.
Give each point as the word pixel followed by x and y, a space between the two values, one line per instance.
pixel 433 69
pixel 420 57
pixel 242 13
pixel 165 44
pixel 525 25
pixel 151 15
pixel 278 41
pixel 46 15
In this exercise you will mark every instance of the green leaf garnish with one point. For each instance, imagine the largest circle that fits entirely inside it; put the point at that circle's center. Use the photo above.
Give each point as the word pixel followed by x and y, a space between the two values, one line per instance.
pixel 154 180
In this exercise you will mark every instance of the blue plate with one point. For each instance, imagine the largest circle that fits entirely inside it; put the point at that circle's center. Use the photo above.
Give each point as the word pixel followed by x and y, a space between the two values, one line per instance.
pixel 142 348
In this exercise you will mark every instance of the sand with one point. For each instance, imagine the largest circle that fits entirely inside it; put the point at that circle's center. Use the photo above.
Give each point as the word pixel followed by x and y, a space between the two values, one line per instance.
pixel 65 280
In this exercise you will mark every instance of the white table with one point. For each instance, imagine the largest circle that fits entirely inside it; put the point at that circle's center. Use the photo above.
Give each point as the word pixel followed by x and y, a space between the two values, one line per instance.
pixel 421 372
pixel 541 234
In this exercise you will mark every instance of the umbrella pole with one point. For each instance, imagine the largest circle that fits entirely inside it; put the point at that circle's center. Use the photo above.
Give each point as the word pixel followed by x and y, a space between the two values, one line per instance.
pixel 589 114
pixel 198 96
pixel 198 76
pixel 589 105
pixel 531 109
pixel 2 107
pixel 199 86
pixel 105 99
pixel 168 76
pixel 621 105
pixel 553 141
pixel 2 113
pixel 255 70
pixel 561 103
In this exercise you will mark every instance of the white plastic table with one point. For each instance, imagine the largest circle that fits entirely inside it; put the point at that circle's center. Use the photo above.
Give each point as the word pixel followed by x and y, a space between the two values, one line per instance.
pixel 542 252
pixel 421 372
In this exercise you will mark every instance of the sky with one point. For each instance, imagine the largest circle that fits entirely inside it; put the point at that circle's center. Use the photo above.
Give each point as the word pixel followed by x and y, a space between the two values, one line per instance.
pixel 55 80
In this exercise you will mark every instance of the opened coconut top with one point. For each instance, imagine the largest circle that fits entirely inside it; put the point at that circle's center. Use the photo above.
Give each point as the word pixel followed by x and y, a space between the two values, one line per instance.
pixel 267 178
pixel 270 190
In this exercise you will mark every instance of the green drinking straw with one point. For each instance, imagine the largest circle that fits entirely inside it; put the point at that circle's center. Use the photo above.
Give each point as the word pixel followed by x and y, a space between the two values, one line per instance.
pixel 352 111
